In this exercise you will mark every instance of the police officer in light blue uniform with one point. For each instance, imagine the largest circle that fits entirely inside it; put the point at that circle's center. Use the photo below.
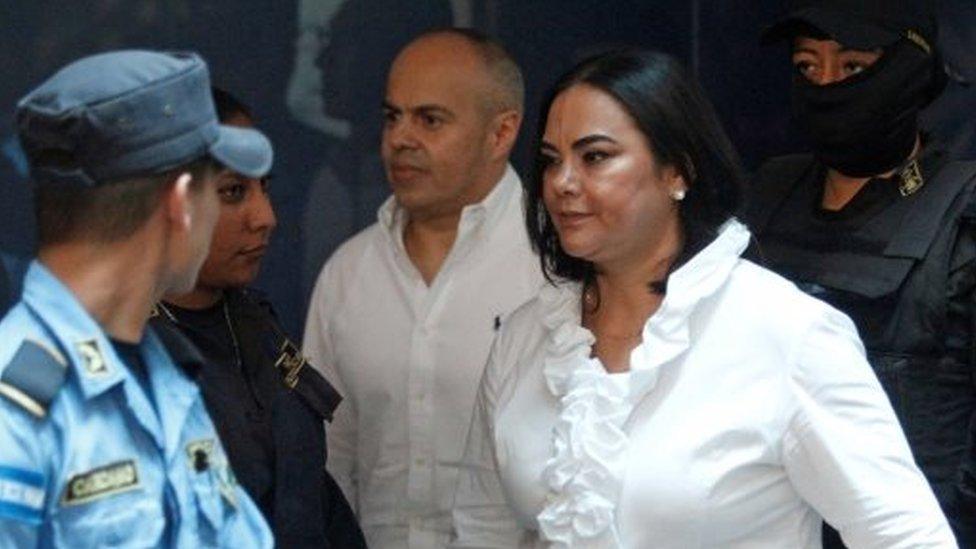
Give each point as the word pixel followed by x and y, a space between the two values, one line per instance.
pixel 104 440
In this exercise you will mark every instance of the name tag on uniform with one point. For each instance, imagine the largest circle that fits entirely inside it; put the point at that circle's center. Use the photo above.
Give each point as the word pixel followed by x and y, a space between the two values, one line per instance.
pixel 105 481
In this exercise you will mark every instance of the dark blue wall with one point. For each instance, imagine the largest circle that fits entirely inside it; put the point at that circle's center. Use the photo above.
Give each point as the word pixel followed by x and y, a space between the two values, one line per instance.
pixel 328 185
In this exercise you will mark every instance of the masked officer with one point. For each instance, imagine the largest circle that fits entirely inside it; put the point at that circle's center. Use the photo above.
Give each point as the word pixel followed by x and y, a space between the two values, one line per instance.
pixel 879 222
pixel 267 404
pixel 104 440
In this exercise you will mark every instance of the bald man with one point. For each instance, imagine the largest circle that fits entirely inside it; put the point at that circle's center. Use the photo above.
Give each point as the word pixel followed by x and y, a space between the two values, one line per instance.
pixel 403 314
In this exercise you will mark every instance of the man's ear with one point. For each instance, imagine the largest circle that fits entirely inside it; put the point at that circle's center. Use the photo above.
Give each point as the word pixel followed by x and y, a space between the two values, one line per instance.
pixel 504 131
pixel 177 202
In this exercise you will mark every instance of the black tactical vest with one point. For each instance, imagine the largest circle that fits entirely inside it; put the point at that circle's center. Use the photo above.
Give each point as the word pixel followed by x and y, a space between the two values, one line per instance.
pixel 912 304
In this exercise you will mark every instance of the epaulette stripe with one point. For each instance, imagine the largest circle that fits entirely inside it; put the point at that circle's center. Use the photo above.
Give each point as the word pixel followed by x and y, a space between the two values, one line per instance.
pixel 22 400
pixel 33 376
pixel 20 512
pixel 55 354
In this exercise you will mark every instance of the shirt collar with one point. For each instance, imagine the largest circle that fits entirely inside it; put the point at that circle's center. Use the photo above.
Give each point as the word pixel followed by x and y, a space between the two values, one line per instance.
pixel 666 332
pixel 90 353
pixel 393 218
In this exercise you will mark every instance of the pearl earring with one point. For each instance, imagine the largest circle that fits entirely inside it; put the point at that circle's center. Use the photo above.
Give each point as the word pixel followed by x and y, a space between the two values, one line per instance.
pixel 678 195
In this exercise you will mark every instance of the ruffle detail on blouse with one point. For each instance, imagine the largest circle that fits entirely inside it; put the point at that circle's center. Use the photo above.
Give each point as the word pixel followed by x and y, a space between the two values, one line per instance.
pixel 585 473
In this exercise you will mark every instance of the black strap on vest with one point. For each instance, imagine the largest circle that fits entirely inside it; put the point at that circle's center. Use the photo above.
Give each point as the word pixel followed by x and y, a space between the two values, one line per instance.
pixel 296 373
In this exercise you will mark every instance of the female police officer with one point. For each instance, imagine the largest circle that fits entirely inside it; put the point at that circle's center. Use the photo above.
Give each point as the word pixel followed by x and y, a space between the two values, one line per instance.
pixel 879 222
pixel 268 406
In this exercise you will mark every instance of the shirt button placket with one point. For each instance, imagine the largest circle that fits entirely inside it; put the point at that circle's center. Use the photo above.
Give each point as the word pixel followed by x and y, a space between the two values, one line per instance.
pixel 419 481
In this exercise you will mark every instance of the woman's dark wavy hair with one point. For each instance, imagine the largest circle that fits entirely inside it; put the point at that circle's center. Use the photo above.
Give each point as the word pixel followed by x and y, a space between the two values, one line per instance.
pixel 683 131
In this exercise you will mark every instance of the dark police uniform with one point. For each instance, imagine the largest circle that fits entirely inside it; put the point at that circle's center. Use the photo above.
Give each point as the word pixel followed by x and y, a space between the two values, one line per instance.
pixel 900 260
pixel 269 407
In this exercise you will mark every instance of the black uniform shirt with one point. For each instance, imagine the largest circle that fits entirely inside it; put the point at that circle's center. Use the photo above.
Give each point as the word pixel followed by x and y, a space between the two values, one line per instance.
pixel 273 433
pixel 238 396
pixel 804 223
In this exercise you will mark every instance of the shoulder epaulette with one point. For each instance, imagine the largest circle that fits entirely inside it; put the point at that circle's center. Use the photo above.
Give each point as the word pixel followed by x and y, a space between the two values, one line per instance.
pixel 33 377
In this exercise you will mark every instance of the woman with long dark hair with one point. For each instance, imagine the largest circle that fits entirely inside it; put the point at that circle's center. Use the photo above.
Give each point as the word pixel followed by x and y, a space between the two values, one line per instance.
pixel 662 391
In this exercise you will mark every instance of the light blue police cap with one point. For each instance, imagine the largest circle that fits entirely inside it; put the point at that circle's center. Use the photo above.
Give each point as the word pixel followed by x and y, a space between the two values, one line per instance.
pixel 131 113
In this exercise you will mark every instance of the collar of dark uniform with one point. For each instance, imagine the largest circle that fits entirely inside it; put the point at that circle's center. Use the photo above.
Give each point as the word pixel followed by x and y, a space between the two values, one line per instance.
pixel 183 352
pixel 929 161
pixel 940 181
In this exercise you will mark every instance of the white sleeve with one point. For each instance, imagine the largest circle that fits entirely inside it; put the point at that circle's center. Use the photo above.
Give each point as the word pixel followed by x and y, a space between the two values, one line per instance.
pixel 845 452
pixel 482 518
pixel 341 439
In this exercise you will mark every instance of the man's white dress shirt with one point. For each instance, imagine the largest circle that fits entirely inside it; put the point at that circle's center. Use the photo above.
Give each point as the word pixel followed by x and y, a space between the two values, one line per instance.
pixel 748 413
pixel 408 358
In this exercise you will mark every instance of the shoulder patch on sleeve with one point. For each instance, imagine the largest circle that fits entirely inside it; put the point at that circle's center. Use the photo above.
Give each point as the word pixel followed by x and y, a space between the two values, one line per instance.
pixel 33 377
pixel 21 494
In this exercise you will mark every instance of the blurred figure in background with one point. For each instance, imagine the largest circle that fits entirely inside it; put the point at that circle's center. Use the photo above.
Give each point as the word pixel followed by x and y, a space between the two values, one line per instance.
pixel 343 50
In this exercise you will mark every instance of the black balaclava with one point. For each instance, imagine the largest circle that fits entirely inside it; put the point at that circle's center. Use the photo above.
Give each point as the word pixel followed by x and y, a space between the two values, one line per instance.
pixel 867 124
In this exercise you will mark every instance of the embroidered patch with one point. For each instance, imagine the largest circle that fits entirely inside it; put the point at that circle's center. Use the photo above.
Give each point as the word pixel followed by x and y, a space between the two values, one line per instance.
pixel 919 40
pixel 199 452
pixel 290 362
pixel 205 457
pixel 104 481
pixel 911 179
pixel 91 355
pixel 21 494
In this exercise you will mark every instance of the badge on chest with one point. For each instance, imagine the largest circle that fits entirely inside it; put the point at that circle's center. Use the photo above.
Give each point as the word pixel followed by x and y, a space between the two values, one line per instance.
pixel 205 457
pixel 101 482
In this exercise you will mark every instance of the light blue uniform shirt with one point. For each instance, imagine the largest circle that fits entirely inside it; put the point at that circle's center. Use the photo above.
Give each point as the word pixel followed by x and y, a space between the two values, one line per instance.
pixel 98 466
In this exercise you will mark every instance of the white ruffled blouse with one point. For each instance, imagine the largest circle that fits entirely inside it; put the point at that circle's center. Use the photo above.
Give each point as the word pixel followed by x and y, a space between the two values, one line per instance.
pixel 748 414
